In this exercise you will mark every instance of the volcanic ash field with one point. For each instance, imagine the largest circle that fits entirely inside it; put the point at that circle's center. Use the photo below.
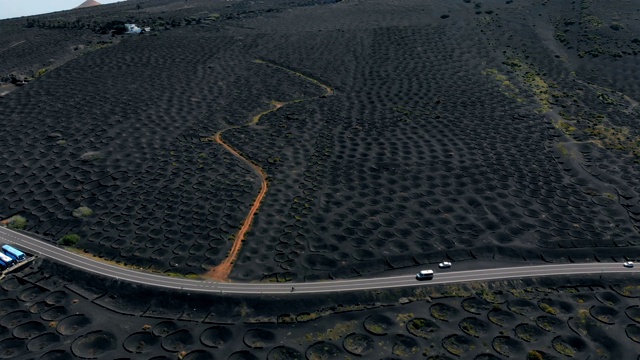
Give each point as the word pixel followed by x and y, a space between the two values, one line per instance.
pixel 386 136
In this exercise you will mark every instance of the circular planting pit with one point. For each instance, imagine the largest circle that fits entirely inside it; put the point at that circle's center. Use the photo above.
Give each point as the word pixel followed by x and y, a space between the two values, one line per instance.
pixel 216 336
pixel 29 329
pixel 501 317
pixel 522 307
pixel 31 293
pixel 443 312
pixel 8 305
pixel 608 298
pixel 550 323
pixel 323 350
pixel 473 326
pixel 43 341
pixel 604 314
pixel 72 324
pixel 633 313
pixel 633 332
pixel 54 313
pixel 56 297
pixel 258 338
pixel 15 318
pixel 198 355
pixel 38 307
pixel 94 344
pixel 140 342
pixel 424 328
pixel 529 333
pixel 11 284
pixel 177 341
pixel 555 307
pixel 11 347
pixel 458 344
pixel 284 353
pixel 164 328
pixel 57 355
pixel 378 324
pixel 570 346
pixel 507 346
pixel 404 346
pixel 476 306
pixel 358 344
pixel 242 355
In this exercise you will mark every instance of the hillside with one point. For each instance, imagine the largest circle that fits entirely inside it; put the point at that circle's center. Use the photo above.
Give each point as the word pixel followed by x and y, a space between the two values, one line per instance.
pixel 309 140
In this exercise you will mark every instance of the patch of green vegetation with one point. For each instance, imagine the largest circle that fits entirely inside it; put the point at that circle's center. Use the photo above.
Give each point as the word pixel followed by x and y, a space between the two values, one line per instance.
pixel 82 212
pixel 592 21
pixel 506 86
pixel 469 329
pixel 213 17
pixel 526 293
pixel 566 127
pixel 376 329
pixel 403 318
pixel 615 138
pixel 594 52
pixel 630 290
pixel 404 351
pixel 564 349
pixel 606 99
pixel 69 240
pixel 561 36
pixel 41 72
pixel 488 295
pixel 17 222
pixel 547 308
pixel 304 317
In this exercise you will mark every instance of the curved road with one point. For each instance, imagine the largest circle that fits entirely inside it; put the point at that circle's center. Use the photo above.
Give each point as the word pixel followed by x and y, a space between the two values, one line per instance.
pixel 39 247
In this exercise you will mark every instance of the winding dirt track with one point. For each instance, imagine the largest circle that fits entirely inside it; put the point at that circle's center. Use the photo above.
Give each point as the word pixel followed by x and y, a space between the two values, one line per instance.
pixel 221 272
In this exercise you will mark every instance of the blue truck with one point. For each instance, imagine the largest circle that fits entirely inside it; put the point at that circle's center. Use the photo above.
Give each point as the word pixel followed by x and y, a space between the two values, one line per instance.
pixel 13 253
pixel 7 261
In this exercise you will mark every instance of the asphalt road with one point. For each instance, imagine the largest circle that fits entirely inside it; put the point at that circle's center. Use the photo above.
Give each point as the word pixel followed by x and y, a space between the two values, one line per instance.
pixel 446 276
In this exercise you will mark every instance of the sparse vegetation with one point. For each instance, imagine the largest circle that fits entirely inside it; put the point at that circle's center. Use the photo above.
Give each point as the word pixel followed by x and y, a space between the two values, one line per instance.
pixel 82 212
pixel 547 308
pixel 17 222
pixel 564 349
pixel 534 355
pixel 69 240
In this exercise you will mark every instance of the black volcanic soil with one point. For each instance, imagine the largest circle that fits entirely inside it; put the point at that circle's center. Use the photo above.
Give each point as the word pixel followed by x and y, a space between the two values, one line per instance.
pixel 458 130
pixel 476 132
pixel 555 317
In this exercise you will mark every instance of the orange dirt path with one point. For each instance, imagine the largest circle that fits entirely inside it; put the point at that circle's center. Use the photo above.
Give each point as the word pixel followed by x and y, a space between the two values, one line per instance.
pixel 221 272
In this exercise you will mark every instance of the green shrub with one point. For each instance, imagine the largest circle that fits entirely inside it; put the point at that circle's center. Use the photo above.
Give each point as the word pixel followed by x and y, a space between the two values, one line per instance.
pixel 81 212
pixel 17 222
pixel 69 240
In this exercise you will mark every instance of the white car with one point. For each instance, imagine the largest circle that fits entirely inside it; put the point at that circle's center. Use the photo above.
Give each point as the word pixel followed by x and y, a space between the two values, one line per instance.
pixel 628 264
pixel 424 275
pixel 444 265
